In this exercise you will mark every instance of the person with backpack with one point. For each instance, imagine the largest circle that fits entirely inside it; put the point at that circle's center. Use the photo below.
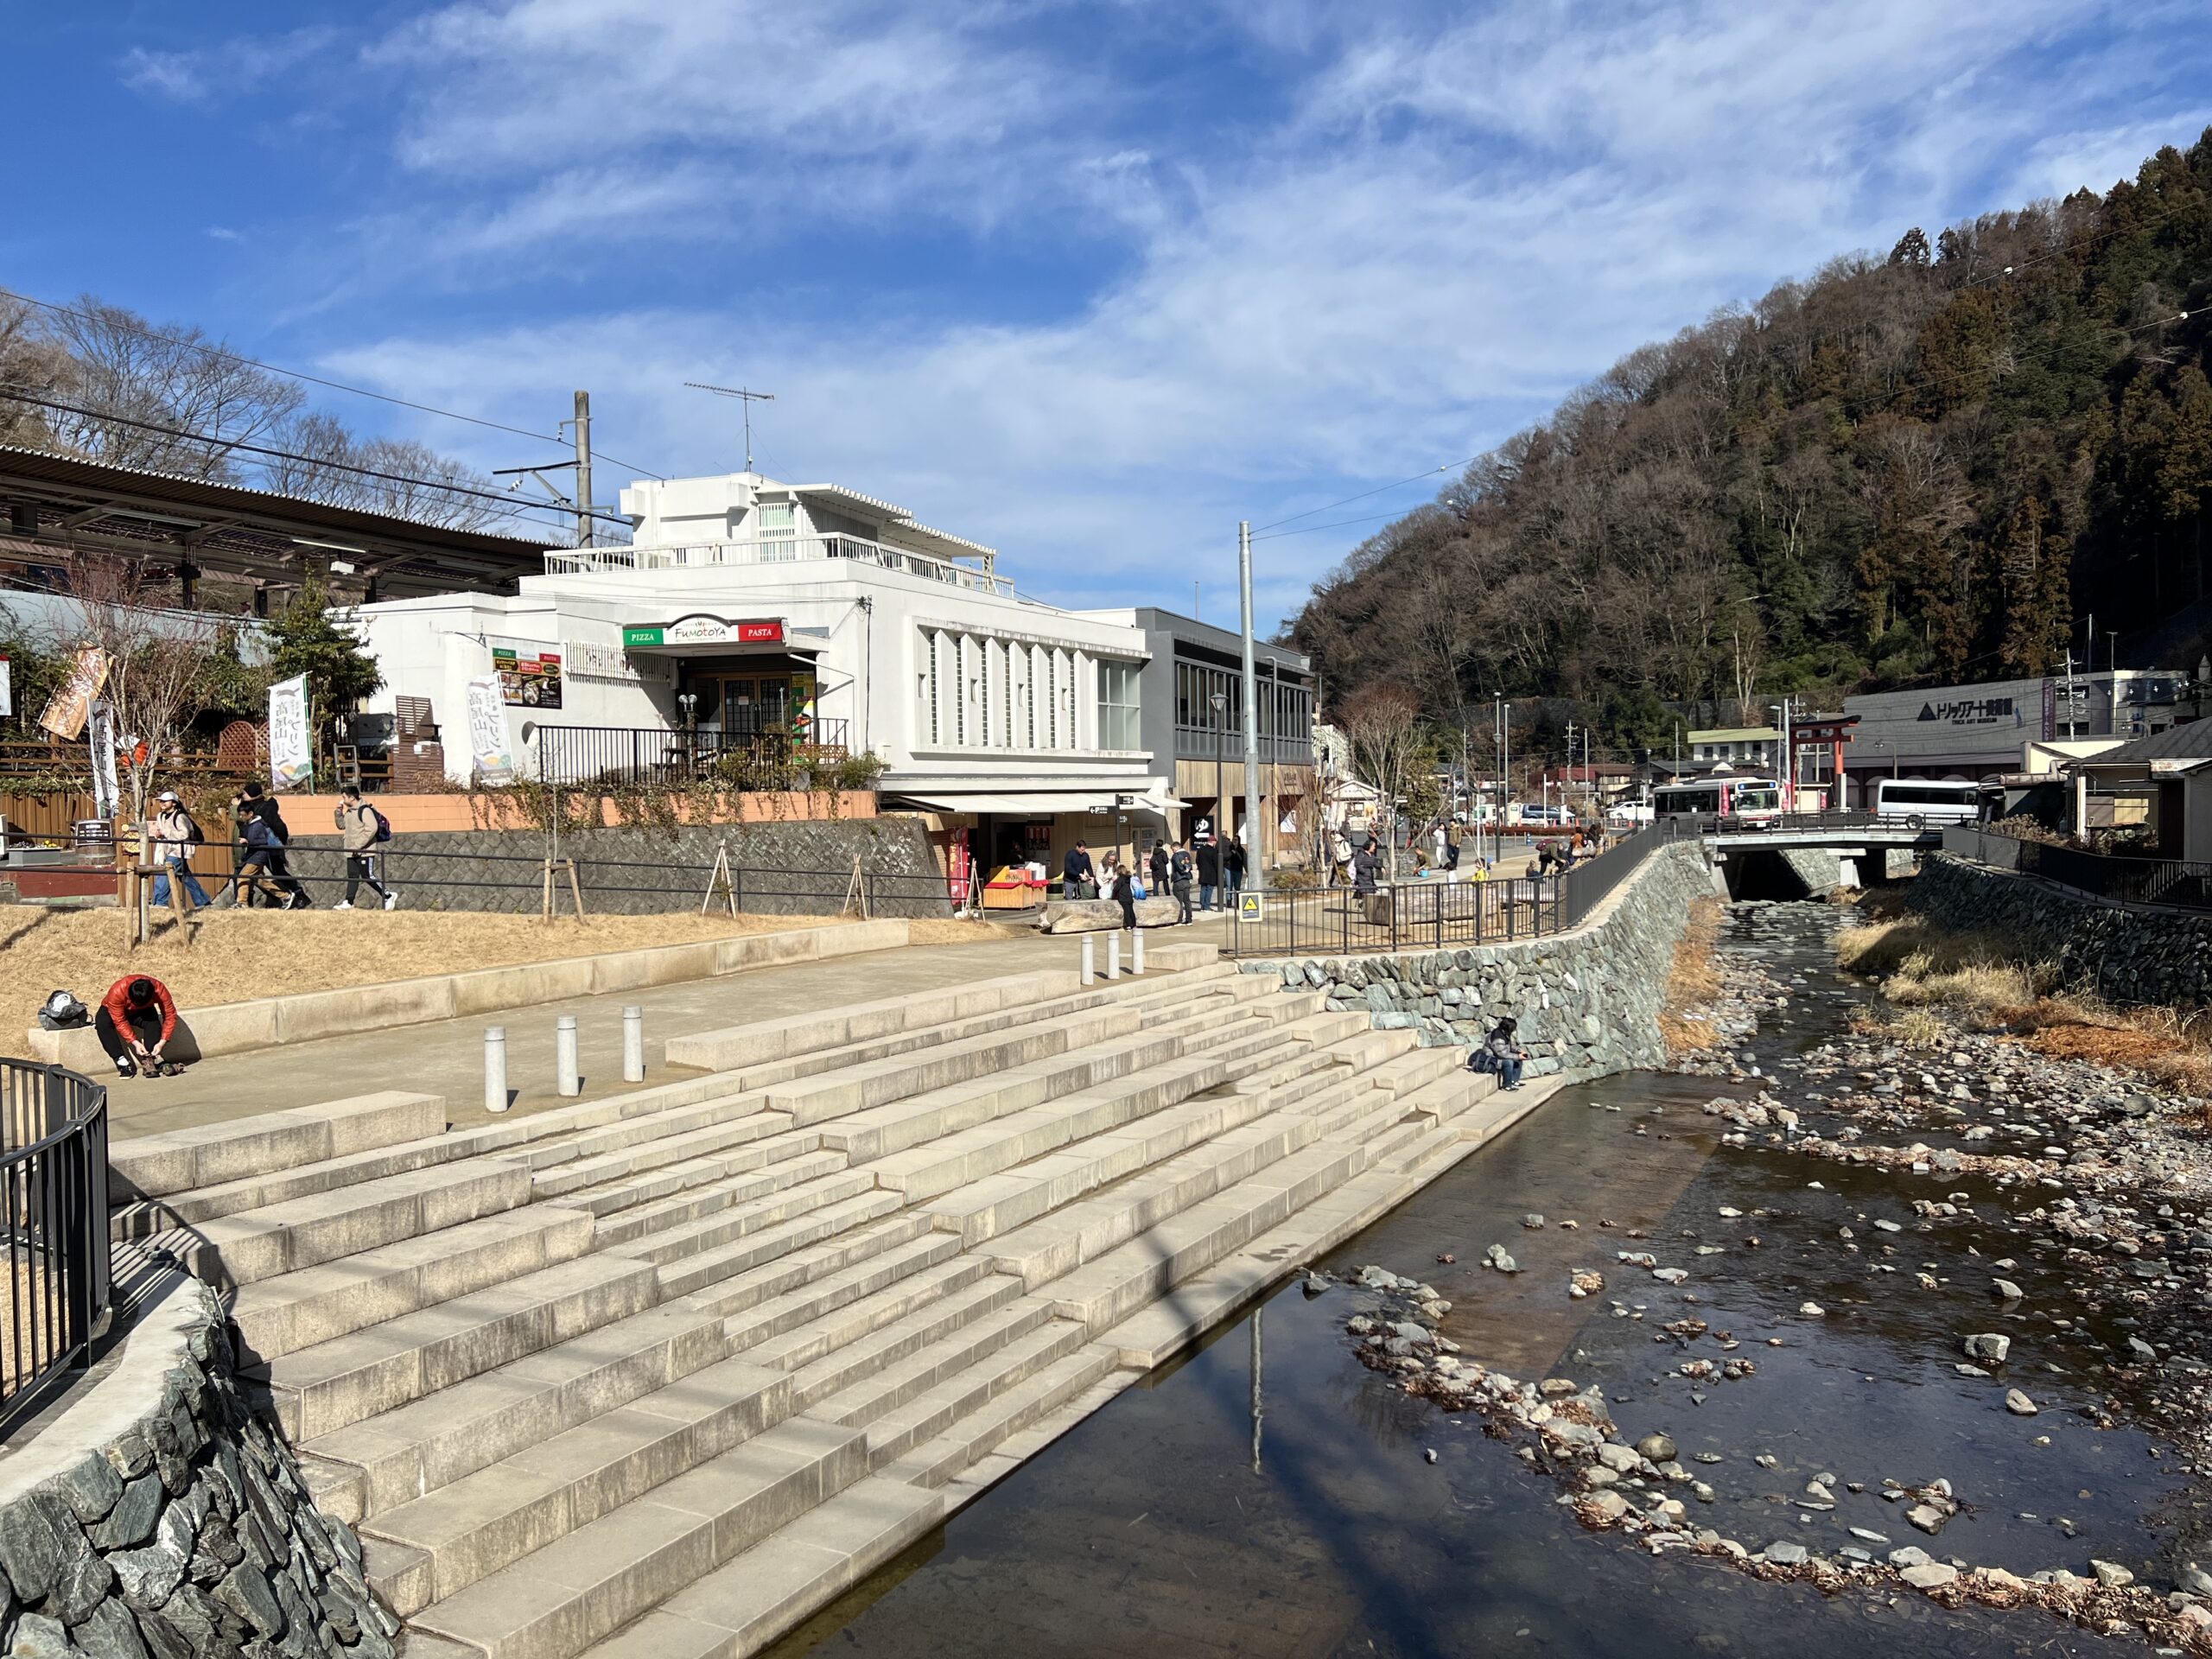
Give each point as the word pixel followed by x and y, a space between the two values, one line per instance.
pixel 264 836
pixel 364 830
pixel 175 837
pixel 1181 871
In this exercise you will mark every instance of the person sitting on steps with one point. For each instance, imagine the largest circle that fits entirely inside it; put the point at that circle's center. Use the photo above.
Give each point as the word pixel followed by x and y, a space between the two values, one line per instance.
pixel 1506 1055
pixel 136 1020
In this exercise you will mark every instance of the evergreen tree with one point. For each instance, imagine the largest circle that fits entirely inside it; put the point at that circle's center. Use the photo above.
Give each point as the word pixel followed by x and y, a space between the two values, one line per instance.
pixel 308 637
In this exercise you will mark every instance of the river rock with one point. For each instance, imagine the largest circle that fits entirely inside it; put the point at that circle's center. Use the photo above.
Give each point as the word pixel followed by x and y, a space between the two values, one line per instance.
pixel 2112 1575
pixel 2018 1404
pixel 1657 1447
pixel 1787 1555
pixel 2006 1290
pixel 1989 1345
pixel 1612 1505
pixel 1811 1310
pixel 1910 1556
pixel 1930 1575
pixel 1619 1459
pixel 1927 1517
pixel 2141 1351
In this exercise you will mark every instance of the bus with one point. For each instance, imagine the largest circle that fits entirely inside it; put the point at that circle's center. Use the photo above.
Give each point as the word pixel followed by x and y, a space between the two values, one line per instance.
pixel 1737 797
pixel 1927 800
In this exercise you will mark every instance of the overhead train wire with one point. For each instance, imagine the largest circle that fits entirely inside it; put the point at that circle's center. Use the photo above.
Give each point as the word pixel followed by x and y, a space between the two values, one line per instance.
pixel 228 356
pixel 512 506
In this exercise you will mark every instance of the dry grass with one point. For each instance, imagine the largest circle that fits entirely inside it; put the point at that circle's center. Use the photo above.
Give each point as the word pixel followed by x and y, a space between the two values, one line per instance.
pixel 2171 1046
pixel 1978 981
pixel 1693 979
pixel 1921 966
pixel 242 954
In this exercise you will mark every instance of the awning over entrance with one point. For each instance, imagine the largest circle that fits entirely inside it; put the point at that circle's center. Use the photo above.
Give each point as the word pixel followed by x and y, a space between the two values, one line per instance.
pixel 1045 804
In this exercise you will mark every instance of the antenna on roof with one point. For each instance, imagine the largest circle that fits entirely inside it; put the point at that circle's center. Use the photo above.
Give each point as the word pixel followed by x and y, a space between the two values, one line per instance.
pixel 745 400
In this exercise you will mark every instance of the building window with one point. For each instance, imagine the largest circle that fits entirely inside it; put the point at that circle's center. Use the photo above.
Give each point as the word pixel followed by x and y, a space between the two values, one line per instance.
pixel 1029 695
pixel 778 532
pixel 926 691
pixel 960 690
pixel 1117 706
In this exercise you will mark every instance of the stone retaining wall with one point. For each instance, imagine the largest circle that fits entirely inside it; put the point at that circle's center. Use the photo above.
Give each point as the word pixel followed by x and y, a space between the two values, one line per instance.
pixel 2126 956
pixel 1587 1001
pixel 158 1516
pixel 893 846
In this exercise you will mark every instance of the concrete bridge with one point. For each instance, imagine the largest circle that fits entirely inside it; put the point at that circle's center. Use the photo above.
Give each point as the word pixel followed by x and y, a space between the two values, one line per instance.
pixel 1806 852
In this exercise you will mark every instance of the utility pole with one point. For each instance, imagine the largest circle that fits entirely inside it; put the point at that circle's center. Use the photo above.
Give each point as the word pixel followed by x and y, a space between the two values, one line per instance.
pixel 583 469
pixel 2070 695
pixel 1255 850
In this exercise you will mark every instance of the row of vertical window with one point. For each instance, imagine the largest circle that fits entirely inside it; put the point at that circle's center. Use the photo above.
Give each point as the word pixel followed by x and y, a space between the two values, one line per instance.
pixel 973 691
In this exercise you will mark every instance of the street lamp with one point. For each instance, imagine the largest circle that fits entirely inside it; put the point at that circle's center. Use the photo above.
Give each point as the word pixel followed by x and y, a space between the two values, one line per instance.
pixel 1220 700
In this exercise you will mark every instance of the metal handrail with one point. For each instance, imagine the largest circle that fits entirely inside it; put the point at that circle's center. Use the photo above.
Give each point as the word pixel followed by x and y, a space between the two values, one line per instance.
pixel 53 1204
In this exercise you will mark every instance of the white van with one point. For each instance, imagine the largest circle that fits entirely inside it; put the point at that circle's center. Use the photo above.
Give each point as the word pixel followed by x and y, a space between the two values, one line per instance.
pixel 1927 800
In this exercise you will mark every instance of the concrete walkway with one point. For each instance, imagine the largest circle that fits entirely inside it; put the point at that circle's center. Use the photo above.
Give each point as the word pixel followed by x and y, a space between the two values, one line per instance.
pixel 447 1056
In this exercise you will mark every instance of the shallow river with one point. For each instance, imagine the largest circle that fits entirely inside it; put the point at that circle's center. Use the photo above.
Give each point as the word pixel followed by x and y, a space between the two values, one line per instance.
pixel 1148 1531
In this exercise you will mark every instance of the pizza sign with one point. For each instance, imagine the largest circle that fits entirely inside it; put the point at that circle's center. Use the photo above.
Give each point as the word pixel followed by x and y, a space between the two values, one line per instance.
pixel 705 631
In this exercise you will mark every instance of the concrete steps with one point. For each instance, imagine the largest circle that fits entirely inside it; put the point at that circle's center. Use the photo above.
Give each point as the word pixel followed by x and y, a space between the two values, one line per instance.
pixel 657 1374
pixel 279 1316
pixel 585 1585
pixel 737 1609
pixel 317 1391
pixel 464 1532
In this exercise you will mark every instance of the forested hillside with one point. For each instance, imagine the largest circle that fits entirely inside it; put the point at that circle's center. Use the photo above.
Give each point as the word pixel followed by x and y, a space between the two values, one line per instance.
pixel 1922 468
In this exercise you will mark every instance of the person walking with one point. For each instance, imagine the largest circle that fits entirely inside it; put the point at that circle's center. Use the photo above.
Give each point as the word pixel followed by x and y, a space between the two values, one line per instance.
pixel 1124 894
pixel 1366 868
pixel 1076 872
pixel 260 855
pixel 1340 858
pixel 1181 870
pixel 1233 864
pixel 1507 1055
pixel 175 838
pixel 136 1020
pixel 1454 832
pixel 1209 862
pixel 267 835
pixel 1438 845
pixel 364 828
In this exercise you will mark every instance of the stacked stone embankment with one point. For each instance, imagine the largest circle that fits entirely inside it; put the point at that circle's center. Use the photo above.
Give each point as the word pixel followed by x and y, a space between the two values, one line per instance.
pixel 2126 956
pixel 160 1516
pixel 1587 1002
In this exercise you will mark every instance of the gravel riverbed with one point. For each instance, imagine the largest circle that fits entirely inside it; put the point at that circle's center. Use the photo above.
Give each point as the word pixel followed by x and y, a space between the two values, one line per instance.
pixel 1928 1322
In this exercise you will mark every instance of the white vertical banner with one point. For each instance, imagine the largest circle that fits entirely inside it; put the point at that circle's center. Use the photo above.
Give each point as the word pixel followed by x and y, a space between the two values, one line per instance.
pixel 7 690
pixel 99 739
pixel 494 764
pixel 291 747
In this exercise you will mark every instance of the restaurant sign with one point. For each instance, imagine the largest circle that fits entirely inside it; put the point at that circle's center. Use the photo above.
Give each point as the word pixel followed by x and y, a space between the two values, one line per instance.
pixel 704 630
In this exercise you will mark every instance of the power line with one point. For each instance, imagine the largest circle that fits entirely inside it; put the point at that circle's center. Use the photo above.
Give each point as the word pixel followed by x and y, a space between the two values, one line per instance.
pixel 1338 523
pixel 1379 489
pixel 512 506
pixel 228 356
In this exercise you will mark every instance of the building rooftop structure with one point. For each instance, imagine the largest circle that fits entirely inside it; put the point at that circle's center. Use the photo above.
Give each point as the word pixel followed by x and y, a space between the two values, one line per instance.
pixel 57 505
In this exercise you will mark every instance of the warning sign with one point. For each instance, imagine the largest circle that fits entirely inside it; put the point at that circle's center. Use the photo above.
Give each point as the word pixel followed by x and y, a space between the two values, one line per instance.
pixel 1247 906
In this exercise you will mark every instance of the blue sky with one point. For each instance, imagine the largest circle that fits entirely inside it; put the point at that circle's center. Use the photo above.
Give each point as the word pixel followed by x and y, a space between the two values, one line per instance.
pixel 1087 281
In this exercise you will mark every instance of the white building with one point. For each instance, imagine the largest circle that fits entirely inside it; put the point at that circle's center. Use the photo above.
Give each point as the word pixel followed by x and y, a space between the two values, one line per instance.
pixel 746 611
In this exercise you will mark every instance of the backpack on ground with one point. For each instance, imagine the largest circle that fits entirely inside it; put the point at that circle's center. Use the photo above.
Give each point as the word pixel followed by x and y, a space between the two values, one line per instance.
pixel 61 1012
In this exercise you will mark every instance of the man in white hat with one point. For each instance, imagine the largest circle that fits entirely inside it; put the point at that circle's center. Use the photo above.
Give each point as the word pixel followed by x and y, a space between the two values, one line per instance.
pixel 175 838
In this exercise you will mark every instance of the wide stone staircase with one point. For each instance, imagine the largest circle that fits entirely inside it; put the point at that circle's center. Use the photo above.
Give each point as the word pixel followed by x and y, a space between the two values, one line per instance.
pixel 661 1374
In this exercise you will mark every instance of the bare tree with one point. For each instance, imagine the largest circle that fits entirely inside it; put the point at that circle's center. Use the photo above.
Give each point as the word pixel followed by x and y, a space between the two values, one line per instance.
pixel 161 665
pixel 1382 727
pixel 165 400
pixel 30 367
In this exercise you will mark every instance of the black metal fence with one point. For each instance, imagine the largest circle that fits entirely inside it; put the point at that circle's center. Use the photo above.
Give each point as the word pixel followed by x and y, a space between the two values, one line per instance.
pixel 54 1208
pixel 1428 915
pixel 646 757
pixel 2170 881
pixel 470 881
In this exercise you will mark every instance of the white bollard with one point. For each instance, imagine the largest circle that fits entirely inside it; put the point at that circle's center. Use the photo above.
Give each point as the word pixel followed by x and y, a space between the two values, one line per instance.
pixel 1136 947
pixel 564 1056
pixel 1089 960
pixel 634 1044
pixel 495 1068
pixel 1114 956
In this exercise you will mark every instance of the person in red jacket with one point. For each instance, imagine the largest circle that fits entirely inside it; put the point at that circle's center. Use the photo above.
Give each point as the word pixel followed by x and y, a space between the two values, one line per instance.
pixel 136 1020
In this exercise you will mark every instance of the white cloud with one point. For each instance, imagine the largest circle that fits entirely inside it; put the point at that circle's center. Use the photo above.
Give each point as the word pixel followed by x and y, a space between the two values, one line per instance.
pixel 1439 228
pixel 212 74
